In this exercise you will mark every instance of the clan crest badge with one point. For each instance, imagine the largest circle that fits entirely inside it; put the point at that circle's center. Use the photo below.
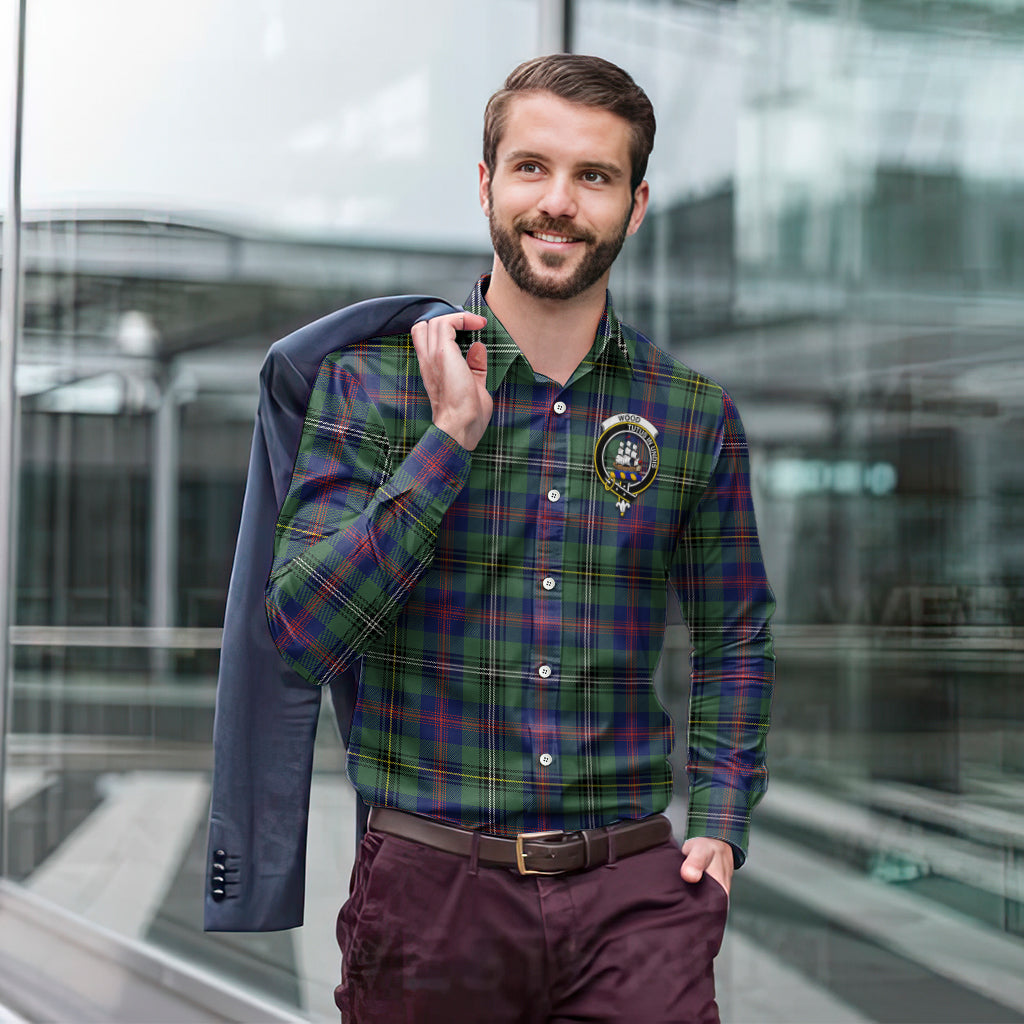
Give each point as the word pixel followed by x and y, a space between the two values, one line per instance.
pixel 626 457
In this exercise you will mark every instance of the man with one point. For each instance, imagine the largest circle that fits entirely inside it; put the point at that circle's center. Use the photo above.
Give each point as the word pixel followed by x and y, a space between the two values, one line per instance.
pixel 489 514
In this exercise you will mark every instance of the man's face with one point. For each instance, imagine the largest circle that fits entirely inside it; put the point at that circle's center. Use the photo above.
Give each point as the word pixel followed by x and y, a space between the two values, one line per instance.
pixel 559 202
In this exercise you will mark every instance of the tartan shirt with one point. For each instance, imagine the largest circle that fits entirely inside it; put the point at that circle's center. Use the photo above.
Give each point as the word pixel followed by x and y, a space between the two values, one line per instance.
pixel 508 604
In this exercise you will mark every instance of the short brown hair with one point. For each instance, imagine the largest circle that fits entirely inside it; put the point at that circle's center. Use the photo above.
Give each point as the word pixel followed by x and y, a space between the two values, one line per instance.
pixel 577 78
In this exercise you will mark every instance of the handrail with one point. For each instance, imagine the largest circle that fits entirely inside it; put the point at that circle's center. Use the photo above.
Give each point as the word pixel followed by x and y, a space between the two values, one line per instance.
pixel 53 963
pixel 795 637
pixel 168 637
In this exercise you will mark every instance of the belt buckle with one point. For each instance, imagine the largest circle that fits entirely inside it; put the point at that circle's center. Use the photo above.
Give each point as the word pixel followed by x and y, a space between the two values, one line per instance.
pixel 521 854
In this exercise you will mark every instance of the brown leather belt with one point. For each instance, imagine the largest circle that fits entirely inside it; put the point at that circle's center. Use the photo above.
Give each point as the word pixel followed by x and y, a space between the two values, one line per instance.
pixel 530 853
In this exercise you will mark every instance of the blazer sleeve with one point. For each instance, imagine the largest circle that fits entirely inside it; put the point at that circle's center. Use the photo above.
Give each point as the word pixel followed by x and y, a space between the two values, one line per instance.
pixel 266 715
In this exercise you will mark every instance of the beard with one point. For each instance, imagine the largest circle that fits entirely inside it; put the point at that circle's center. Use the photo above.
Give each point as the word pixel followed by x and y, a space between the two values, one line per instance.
pixel 598 257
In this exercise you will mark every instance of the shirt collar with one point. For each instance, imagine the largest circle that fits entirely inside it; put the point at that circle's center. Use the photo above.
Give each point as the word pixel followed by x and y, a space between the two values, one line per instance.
pixel 610 342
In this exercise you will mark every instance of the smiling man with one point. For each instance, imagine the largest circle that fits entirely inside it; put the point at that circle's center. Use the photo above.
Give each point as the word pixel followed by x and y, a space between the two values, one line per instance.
pixel 487 515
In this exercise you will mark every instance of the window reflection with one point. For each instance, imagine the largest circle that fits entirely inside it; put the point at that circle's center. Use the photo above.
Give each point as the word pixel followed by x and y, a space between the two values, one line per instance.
pixel 835 234
pixel 199 180
pixel 854 280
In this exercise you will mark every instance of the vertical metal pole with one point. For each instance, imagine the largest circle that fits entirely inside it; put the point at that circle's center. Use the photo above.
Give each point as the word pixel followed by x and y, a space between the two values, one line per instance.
pixel 164 516
pixel 163 549
pixel 553 26
pixel 10 318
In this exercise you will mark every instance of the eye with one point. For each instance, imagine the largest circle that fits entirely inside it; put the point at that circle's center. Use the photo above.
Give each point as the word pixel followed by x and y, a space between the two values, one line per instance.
pixel 529 167
pixel 594 177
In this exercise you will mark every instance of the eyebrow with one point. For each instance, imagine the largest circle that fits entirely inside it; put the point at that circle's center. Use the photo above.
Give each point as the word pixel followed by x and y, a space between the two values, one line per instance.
pixel 611 170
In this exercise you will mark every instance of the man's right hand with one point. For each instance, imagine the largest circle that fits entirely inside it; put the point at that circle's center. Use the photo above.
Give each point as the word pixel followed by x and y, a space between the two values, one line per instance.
pixel 457 387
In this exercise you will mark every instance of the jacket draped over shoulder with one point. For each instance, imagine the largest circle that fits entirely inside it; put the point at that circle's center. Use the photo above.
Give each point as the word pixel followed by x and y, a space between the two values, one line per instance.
pixel 266 714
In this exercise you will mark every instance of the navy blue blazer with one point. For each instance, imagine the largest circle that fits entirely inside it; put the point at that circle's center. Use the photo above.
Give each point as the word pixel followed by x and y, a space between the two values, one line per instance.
pixel 266 714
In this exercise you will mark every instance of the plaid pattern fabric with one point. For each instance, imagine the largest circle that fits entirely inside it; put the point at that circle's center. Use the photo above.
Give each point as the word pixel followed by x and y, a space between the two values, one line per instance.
pixel 509 604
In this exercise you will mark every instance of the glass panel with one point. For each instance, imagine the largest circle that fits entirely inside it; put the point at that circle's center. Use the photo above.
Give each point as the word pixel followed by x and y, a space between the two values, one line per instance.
pixel 836 235
pixel 8 27
pixel 8 55
pixel 328 119
pixel 201 178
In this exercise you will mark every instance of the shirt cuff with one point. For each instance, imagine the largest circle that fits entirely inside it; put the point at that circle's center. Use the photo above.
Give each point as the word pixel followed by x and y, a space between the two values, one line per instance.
pixel 716 812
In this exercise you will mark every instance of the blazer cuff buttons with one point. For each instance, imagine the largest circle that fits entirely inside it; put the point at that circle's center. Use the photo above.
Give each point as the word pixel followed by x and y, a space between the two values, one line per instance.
pixel 218 875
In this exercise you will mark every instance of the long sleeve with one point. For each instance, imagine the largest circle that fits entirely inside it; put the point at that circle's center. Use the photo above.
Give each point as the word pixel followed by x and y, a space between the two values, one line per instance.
pixel 355 533
pixel 725 597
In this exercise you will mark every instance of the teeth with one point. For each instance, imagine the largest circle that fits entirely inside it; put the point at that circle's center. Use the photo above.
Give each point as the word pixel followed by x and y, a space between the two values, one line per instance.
pixel 551 238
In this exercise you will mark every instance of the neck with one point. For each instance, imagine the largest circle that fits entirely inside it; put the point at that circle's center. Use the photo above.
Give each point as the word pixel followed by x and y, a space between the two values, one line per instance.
pixel 553 334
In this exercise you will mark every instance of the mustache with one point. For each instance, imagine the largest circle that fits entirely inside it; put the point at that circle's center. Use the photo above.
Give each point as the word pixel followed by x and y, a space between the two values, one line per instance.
pixel 552 226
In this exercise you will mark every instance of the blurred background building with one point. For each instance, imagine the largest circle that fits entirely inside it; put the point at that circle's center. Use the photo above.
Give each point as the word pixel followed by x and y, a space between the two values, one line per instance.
pixel 836 234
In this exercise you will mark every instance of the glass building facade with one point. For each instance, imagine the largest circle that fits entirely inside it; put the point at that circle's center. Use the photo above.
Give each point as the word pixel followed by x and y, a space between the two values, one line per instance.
pixel 836 234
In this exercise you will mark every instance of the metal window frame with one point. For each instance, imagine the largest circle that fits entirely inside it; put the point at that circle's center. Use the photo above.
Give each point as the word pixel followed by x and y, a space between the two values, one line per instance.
pixel 554 26
pixel 10 326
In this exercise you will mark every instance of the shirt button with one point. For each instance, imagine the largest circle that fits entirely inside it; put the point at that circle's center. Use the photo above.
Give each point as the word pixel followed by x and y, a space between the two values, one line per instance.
pixel 549 583
pixel 554 495
pixel 544 671
pixel 545 759
pixel 559 408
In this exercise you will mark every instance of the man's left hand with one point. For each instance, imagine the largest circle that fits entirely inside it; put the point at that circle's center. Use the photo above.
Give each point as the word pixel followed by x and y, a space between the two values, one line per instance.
pixel 711 855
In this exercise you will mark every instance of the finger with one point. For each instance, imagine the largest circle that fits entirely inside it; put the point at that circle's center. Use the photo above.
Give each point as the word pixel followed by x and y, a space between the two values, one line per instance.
pixel 419 338
pixel 472 321
pixel 477 358
pixel 691 872
pixel 445 327
pixel 695 864
pixel 442 329
pixel 463 320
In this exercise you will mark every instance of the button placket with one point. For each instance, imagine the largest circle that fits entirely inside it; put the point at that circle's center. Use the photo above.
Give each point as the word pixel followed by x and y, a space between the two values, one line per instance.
pixel 547 604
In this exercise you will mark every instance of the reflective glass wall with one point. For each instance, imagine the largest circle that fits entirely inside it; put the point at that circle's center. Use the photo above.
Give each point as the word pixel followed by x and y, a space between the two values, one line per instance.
pixel 199 180
pixel 835 234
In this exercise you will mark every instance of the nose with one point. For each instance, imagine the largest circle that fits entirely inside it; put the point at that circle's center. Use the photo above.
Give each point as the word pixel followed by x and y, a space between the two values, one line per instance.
pixel 559 198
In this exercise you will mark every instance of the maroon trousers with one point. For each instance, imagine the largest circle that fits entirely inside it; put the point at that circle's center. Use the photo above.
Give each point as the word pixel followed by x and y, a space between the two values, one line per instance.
pixel 429 937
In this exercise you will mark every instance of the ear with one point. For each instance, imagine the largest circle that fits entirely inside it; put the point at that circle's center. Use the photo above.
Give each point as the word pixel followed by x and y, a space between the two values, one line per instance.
pixel 640 199
pixel 485 183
